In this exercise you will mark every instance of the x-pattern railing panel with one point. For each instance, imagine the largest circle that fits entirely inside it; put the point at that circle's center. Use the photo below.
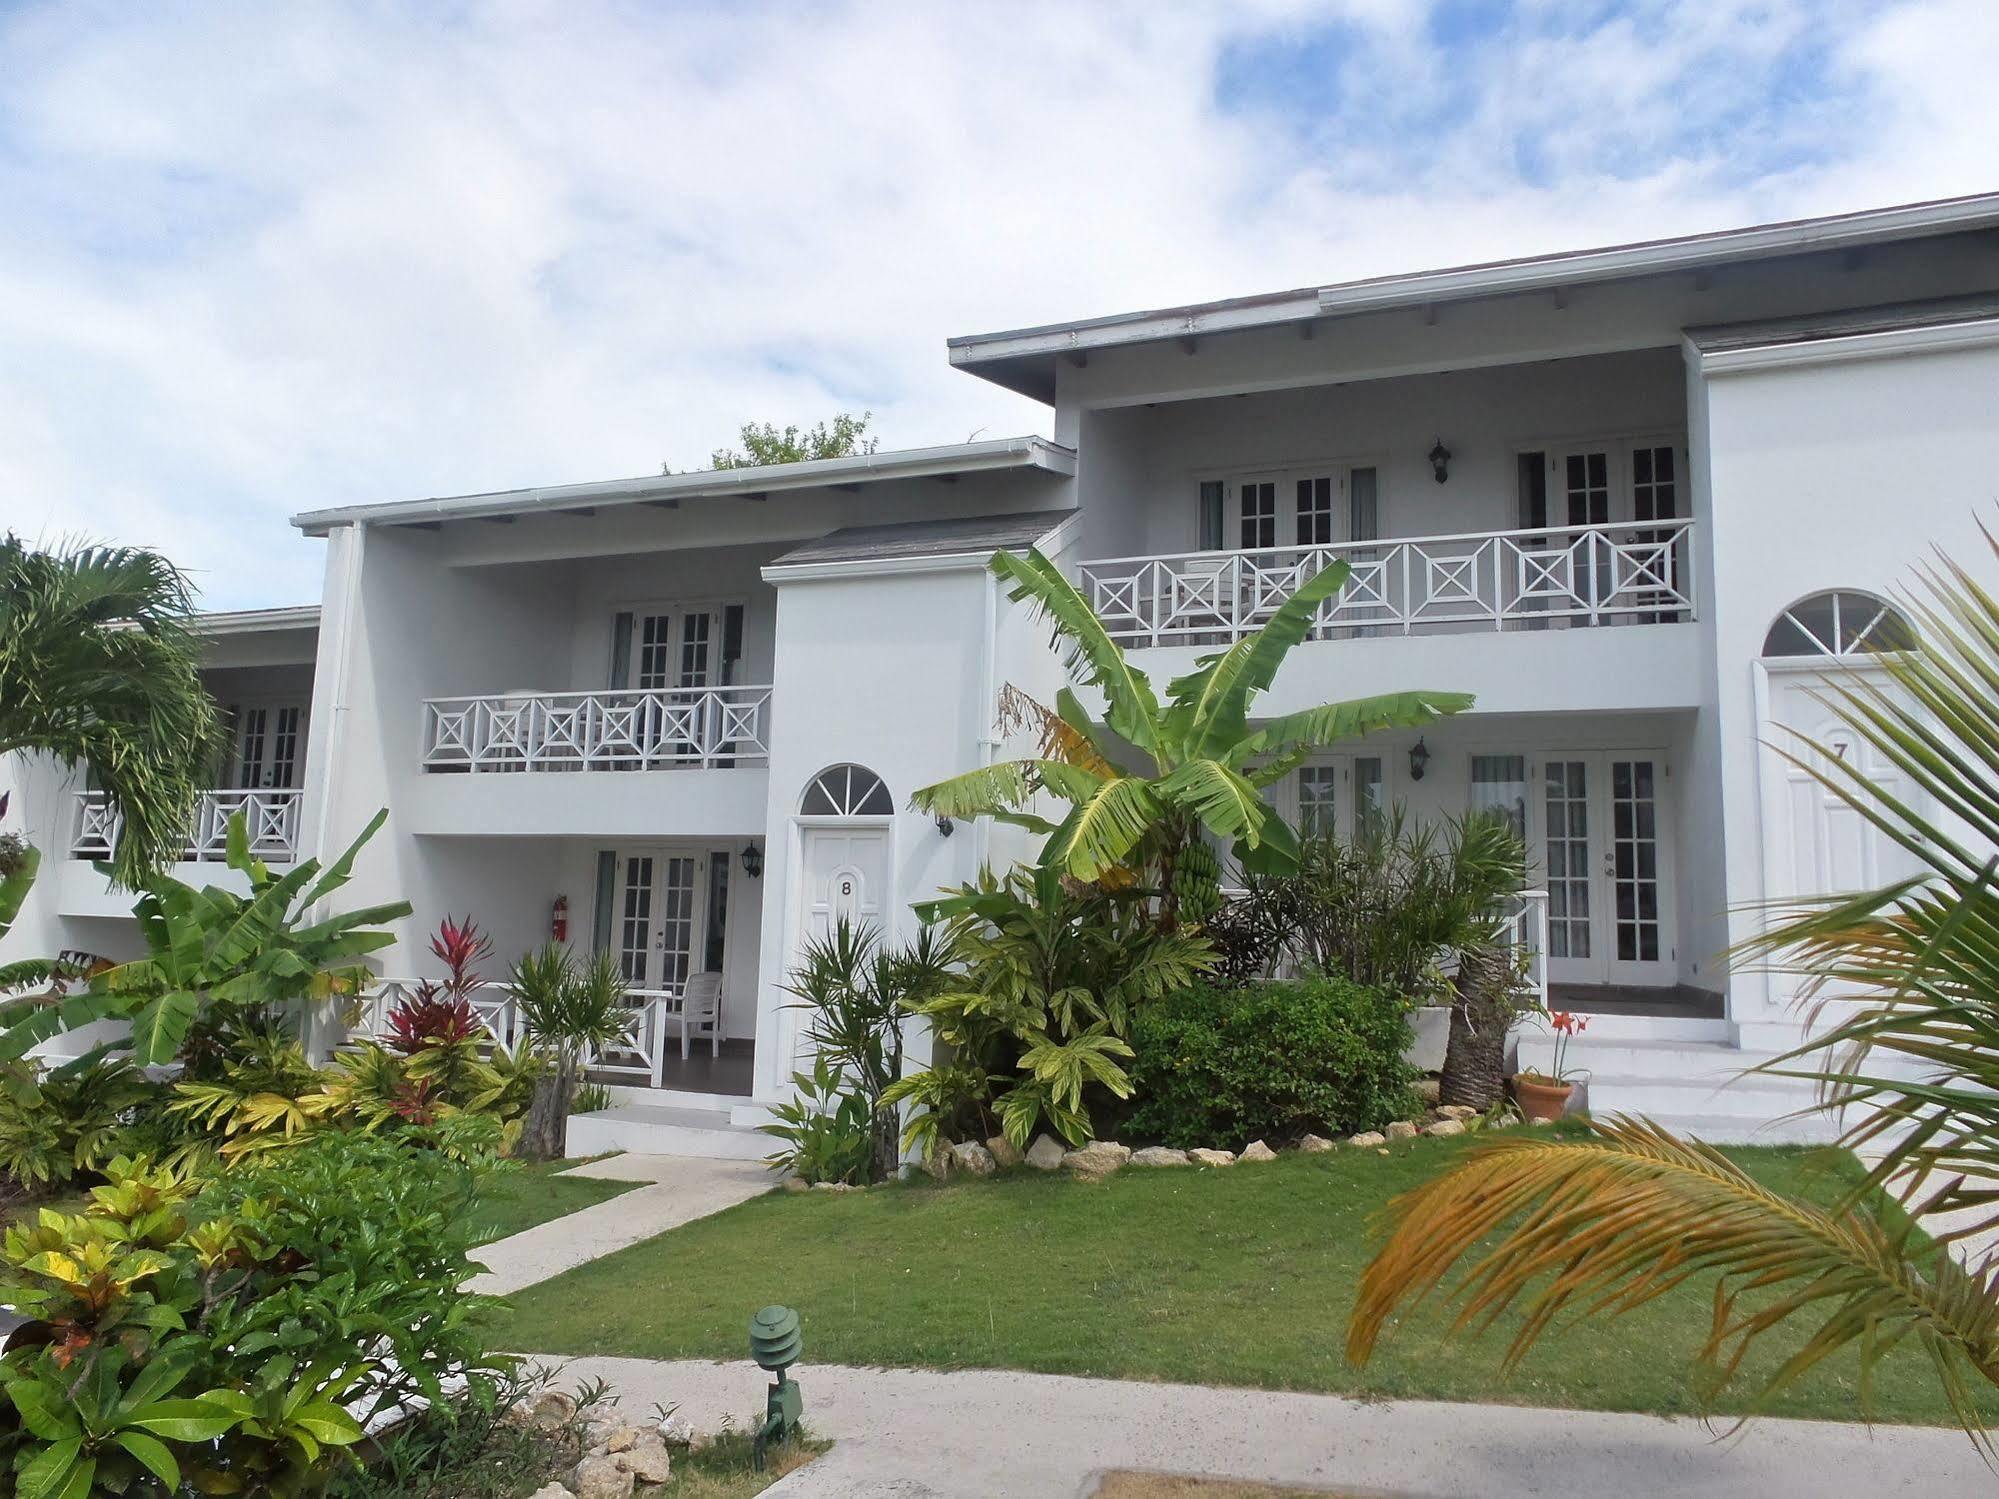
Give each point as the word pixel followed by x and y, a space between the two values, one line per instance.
pixel 645 730
pixel 270 819
pixel 1629 573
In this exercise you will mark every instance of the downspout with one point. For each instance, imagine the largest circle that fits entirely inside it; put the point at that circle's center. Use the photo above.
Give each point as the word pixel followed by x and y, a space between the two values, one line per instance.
pixel 987 738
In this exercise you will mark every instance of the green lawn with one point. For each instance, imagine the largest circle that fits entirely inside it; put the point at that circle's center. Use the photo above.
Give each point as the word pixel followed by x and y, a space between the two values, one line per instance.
pixel 1234 1277
pixel 523 1195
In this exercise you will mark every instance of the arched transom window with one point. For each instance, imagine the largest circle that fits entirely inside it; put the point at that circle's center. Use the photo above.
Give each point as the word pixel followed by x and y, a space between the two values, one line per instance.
pixel 847 791
pixel 1839 622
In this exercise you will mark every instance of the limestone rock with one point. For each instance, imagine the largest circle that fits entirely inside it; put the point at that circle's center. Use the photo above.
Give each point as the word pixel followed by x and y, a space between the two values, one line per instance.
pixel 1368 1138
pixel 1006 1154
pixel 552 1491
pixel 1159 1155
pixel 796 1184
pixel 834 1187
pixel 1212 1157
pixel 647 1460
pixel 1402 1129
pixel 620 1438
pixel 1429 1089
pixel 1458 1111
pixel 973 1158
pixel 1315 1144
pixel 937 1162
pixel 552 1408
pixel 1541 1123
pixel 1444 1128
pixel 1045 1154
pixel 676 1431
pixel 1096 1159
pixel 600 1477
pixel 1256 1150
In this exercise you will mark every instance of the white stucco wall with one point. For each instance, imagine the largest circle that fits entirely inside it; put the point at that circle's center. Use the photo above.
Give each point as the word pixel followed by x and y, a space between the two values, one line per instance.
pixel 1831 472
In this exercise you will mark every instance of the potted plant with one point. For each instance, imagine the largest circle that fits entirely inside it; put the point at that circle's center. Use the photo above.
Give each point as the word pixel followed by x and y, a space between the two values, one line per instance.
pixel 1545 1095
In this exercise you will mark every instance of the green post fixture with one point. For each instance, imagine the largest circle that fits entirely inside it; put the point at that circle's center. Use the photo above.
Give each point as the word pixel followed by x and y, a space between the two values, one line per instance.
pixel 775 1343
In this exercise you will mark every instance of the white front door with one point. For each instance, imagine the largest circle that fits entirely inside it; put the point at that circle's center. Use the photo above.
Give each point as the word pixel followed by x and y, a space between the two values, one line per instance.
pixel 1604 862
pixel 845 878
pixel 1814 843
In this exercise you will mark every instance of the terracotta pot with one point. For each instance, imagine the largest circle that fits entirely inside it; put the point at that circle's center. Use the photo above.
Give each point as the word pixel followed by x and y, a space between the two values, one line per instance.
pixel 1541 1099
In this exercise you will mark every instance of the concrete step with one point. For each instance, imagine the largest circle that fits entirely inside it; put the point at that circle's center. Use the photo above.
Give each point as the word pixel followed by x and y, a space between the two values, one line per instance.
pixel 666 1129
pixel 1700 1088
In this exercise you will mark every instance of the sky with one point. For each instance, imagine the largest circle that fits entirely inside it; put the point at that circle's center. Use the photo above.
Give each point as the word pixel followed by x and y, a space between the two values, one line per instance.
pixel 257 259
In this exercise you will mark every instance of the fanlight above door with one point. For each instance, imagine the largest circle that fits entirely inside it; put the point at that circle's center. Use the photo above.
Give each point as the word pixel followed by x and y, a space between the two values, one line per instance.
pixel 846 791
pixel 1839 622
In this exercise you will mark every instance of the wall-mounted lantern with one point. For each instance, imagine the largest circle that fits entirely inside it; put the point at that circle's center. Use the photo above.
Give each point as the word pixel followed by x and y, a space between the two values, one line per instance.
pixel 1419 760
pixel 753 861
pixel 946 827
pixel 1440 461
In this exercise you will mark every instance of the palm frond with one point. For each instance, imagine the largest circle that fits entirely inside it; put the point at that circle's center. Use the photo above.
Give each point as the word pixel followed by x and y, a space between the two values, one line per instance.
pixel 1132 708
pixel 1333 723
pixel 99 668
pixel 1106 826
pixel 1612 1223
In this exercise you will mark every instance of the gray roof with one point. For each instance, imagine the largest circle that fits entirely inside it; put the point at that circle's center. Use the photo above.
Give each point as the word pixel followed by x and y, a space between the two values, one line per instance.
pixel 960 536
pixel 1847 323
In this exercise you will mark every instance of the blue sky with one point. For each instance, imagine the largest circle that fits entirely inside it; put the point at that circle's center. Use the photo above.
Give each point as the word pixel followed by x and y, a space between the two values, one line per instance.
pixel 257 259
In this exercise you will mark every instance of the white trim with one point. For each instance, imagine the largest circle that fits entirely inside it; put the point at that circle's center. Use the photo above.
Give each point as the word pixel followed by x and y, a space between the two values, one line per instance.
pixel 257 621
pixel 1888 344
pixel 906 463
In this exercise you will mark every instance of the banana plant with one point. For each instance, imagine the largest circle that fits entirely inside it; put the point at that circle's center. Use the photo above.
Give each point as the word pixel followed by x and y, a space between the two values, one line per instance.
pixel 20 862
pixel 210 946
pixel 1154 778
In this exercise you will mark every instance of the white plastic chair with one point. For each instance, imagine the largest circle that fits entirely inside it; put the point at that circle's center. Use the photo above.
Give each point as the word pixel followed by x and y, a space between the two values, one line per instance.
pixel 701 1011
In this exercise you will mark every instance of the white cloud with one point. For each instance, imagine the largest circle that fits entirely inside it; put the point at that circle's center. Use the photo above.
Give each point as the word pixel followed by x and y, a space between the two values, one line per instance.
pixel 269 258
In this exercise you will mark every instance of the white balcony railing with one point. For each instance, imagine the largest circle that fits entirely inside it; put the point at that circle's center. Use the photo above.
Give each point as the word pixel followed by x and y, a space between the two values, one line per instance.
pixel 1635 573
pixel 700 726
pixel 270 817
pixel 640 1056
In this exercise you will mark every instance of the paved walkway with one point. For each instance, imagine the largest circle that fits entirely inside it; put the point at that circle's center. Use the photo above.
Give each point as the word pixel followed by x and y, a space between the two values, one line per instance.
pixel 679 1189
pixel 984 1434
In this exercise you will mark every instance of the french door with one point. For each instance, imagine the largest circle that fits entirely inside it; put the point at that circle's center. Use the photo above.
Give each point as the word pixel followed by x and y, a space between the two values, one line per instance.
pixel 268 744
pixel 674 650
pixel 1604 864
pixel 1345 796
pixel 1314 507
pixel 670 915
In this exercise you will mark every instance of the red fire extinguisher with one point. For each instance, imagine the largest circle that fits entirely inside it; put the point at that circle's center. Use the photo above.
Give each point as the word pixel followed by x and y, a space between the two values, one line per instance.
pixel 558 919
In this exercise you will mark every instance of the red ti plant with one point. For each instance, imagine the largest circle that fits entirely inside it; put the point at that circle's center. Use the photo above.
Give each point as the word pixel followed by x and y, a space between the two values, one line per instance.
pixel 440 1013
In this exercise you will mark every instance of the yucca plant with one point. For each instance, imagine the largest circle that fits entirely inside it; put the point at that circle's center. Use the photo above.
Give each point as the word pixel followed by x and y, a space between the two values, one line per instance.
pixel 1910 1053
pixel 1153 782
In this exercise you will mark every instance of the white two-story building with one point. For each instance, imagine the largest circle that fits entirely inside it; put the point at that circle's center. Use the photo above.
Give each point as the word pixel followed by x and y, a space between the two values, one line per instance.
pixel 1639 500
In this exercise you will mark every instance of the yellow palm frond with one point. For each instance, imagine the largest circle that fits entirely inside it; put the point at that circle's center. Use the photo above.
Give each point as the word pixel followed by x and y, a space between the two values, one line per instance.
pixel 1554 1228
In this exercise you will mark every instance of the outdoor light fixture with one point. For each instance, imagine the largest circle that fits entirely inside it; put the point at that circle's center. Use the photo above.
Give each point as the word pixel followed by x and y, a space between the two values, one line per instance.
pixel 775 1343
pixel 1419 760
pixel 753 861
pixel 946 827
pixel 1440 461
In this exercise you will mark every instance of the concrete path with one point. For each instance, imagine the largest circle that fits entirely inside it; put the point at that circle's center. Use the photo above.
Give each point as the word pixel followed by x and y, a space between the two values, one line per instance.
pixel 680 1189
pixel 984 1434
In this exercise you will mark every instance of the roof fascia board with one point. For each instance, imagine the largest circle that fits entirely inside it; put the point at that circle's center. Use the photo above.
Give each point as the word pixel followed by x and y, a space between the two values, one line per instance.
pixel 1885 344
pixel 257 621
pixel 907 463
pixel 1499 278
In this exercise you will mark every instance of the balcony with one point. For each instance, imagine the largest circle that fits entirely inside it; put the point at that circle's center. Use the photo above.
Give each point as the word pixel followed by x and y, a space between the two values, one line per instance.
pixel 1557 578
pixel 271 817
pixel 699 727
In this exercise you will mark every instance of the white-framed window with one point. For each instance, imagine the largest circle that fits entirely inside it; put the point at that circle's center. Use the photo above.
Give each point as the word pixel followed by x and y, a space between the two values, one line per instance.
pixel 1345 796
pixel 1322 505
pixel 1319 799
pixel 1603 481
pixel 658 647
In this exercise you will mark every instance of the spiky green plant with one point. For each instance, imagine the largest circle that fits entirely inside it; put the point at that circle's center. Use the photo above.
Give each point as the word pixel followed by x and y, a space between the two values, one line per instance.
pixel 99 668
pixel 1910 1053
pixel 1154 778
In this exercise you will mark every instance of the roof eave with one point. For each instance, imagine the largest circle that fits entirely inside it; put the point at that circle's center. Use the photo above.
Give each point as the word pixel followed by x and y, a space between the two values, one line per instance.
pixel 904 463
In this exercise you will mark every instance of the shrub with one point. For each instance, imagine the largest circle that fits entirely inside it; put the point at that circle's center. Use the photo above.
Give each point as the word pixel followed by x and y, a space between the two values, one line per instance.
pixel 237 1344
pixel 1269 1061
pixel 69 1120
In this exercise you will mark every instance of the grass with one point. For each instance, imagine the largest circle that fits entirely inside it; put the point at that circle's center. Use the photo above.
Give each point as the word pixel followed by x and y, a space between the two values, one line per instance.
pixel 1236 1277
pixel 532 1192
pixel 724 1471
